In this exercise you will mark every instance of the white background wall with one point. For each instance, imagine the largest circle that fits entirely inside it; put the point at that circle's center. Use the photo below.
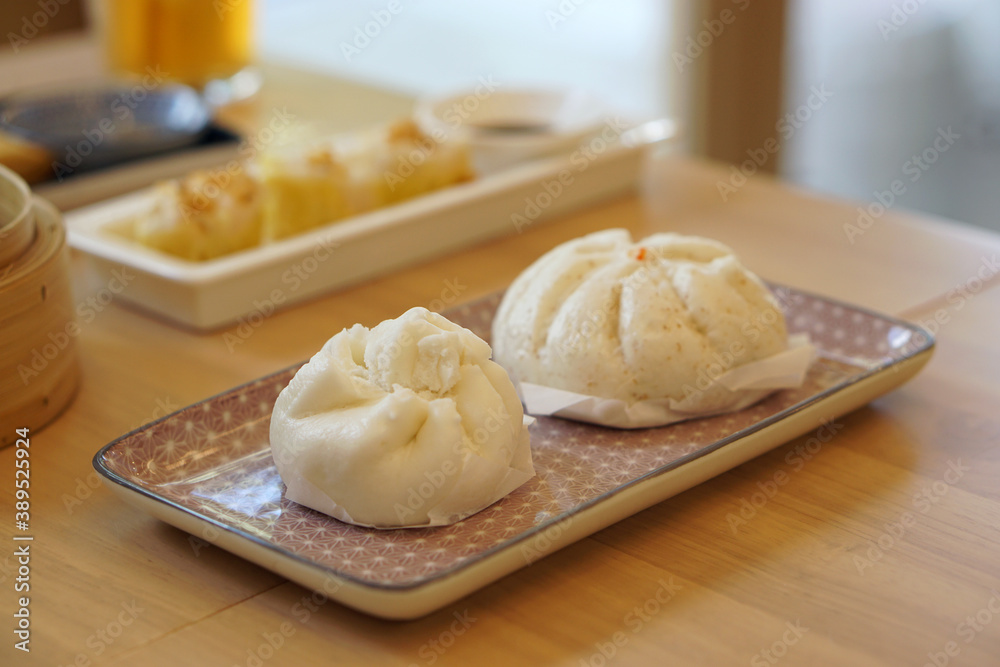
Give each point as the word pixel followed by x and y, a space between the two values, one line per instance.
pixel 612 47
pixel 898 76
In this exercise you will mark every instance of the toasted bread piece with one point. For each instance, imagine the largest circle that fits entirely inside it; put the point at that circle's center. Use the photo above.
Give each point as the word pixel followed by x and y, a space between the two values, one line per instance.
pixel 289 191
pixel 204 215
pixel 303 190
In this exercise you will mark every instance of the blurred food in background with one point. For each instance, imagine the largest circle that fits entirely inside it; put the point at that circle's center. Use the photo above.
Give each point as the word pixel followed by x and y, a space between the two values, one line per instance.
pixel 286 192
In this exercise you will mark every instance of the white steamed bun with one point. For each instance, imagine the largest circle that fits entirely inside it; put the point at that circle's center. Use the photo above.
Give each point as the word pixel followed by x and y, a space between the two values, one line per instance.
pixel 405 424
pixel 653 320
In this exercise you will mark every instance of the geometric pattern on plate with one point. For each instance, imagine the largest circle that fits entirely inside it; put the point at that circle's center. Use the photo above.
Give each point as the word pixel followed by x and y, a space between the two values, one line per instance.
pixel 213 459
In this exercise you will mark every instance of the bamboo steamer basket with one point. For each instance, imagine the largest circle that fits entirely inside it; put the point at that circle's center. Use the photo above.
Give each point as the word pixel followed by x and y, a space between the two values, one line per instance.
pixel 39 369
pixel 17 217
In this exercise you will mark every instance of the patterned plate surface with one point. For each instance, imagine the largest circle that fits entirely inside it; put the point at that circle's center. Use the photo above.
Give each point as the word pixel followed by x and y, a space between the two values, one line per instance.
pixel 212 459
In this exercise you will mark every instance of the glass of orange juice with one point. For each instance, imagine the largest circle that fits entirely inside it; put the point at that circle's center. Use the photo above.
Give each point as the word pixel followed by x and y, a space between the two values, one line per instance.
pixel 206 44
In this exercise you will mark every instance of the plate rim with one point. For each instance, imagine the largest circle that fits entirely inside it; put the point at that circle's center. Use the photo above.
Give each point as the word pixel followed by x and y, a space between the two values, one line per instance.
pixel 110 476
pixel 87 225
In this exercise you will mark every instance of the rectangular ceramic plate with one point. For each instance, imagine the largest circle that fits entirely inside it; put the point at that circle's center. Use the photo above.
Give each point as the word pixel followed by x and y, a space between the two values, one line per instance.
pixel 207 469
pixel 214 293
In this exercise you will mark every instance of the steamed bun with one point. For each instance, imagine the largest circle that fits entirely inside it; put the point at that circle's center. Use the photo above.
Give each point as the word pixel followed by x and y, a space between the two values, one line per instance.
pixel 653 320
pixel 405 424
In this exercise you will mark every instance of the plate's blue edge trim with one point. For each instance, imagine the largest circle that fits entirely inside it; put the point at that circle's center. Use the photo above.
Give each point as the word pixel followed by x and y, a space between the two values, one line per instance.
pixel 98 460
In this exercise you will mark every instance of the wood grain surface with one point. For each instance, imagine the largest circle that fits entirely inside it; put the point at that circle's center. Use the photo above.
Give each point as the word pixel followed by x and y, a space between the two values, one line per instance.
pixel 881 547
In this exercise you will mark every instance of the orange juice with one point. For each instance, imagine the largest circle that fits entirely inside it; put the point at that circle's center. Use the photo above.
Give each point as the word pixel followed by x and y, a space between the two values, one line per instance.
pixel 191 41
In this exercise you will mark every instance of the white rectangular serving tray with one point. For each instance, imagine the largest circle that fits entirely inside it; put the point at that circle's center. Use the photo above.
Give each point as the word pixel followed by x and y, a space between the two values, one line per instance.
pixel 211 294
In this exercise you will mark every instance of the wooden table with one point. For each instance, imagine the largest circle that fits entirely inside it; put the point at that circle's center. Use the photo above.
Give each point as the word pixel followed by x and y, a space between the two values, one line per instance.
pixel 883 549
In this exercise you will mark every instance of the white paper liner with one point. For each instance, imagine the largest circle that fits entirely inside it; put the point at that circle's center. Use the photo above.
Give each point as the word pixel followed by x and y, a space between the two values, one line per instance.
pixel 451 508
pixel 734 390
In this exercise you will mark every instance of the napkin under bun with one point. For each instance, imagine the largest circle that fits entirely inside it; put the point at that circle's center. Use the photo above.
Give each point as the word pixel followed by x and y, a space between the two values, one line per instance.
pixel 606 317
pixel 406 424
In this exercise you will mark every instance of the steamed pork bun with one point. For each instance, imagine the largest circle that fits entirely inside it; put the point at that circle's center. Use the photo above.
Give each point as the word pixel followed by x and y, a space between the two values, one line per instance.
pixel 405 424
pixel 606 317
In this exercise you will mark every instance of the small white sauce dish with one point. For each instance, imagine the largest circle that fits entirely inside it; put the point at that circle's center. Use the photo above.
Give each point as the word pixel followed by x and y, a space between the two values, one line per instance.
pixel 505 127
